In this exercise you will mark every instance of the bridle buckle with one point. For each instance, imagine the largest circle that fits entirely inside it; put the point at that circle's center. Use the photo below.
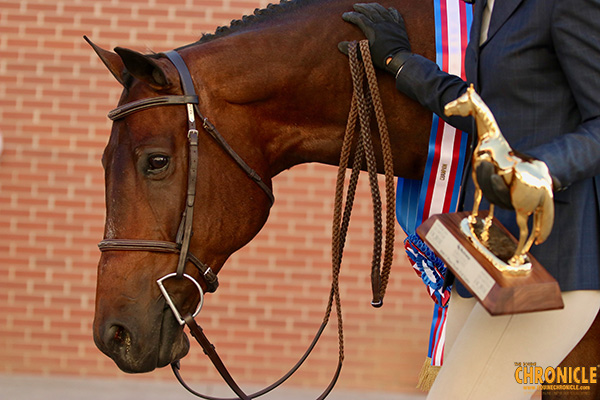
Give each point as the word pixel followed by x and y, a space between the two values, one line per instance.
pixel 193 136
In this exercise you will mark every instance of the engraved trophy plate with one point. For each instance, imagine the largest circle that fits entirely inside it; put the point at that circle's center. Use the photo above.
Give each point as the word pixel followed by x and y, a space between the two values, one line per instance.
pixel 498 292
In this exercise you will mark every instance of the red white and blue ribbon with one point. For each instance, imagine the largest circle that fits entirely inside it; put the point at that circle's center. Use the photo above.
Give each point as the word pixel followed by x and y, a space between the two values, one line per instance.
pixel 439 190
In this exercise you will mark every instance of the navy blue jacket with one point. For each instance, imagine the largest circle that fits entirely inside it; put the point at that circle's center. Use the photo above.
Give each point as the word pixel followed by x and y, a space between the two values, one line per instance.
pixel 539 72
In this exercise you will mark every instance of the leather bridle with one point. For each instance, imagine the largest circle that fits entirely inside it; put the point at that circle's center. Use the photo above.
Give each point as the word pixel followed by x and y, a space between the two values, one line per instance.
pixel 181 244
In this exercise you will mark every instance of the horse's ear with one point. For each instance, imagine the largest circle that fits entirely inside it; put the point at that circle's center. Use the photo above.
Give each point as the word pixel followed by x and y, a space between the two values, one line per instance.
pixel 143 68
pixel 112 61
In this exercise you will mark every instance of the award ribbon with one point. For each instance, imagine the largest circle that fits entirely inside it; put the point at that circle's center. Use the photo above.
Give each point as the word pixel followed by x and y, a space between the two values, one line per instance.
pixel 439 190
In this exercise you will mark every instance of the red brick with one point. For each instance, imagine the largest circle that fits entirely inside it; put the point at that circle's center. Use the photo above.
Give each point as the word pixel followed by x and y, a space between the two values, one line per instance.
pixel 27 348
pixel 40 7
pixel 77 9
pixel 11 5
pixel 38 30
pixel 67 20
pixel 12 17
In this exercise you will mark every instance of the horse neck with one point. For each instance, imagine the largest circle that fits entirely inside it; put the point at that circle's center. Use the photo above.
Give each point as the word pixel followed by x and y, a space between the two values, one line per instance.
pixel 487 127
pixel 289 94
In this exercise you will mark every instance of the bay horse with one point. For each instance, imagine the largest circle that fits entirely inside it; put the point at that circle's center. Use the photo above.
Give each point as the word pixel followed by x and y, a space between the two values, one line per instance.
pixel 276 87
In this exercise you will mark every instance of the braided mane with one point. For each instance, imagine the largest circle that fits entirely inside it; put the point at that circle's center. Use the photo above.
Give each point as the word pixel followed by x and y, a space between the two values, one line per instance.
pixel 258 16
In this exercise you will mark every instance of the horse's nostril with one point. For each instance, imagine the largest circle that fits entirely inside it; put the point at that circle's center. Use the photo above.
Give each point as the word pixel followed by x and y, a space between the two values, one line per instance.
pixel 121 336
pixel 117 336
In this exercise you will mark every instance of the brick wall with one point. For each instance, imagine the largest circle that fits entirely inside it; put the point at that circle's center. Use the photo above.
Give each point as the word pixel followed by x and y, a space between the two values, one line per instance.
pixel 54 96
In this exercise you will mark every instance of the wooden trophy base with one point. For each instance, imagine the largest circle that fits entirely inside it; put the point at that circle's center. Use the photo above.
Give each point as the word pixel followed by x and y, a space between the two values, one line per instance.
pixel 500 293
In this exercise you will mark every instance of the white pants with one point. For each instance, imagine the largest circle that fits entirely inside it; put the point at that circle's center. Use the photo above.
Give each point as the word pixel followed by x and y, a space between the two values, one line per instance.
pixel 481 350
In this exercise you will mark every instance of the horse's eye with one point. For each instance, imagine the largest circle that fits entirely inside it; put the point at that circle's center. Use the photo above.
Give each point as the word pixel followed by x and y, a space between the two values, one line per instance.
pixel 157 162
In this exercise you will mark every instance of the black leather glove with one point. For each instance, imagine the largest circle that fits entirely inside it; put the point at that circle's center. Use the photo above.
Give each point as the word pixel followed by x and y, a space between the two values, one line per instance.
pixel 495 189
pixel 385 30
pixel 492 185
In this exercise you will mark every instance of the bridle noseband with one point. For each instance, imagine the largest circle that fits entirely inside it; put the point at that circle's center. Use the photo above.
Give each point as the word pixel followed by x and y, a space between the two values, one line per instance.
pixel 181 245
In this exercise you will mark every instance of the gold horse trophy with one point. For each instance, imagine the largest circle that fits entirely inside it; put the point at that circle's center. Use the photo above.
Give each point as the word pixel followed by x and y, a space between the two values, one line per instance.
pixel 491 263
pixel 529 183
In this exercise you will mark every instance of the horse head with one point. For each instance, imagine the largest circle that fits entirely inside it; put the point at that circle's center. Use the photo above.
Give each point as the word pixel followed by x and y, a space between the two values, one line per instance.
pixel 463 105
pixel 146 175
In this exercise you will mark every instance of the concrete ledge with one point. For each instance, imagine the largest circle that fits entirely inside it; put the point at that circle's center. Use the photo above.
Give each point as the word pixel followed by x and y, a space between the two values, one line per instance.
pixel 19 387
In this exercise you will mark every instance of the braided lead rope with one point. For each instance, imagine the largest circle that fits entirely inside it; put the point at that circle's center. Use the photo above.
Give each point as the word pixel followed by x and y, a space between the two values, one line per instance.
pixel 365 112
pixel 366 101
pixel 360 114
pixel 388 165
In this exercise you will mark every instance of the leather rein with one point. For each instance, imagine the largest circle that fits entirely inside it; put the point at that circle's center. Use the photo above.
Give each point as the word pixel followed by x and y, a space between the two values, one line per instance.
pixel 182 241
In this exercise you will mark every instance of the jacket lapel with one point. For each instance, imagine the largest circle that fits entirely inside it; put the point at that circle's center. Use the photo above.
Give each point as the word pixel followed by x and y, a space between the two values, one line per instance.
pixel 476 26
pixel 503 9
pixel 472 55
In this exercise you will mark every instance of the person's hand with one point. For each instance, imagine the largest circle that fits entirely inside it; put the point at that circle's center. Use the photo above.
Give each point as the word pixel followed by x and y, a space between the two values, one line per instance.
pixel 385 30
pixel 493 186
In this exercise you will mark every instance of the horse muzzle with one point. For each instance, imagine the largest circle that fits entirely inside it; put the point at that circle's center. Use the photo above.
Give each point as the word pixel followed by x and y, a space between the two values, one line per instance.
pixel 138 347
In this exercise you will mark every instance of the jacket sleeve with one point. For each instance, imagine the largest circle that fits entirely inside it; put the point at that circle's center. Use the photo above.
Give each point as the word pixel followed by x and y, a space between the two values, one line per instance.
pixel 575 155
pixel 422 80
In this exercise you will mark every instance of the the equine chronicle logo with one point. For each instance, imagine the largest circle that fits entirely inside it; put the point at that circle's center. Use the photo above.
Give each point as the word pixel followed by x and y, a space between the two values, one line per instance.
pixel 554 379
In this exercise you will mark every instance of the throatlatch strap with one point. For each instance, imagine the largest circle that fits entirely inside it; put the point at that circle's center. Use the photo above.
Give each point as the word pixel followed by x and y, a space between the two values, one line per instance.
pixel 188 88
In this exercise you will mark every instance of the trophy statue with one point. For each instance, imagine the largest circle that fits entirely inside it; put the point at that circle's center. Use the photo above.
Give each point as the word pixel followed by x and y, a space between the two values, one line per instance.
pixel 482 254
